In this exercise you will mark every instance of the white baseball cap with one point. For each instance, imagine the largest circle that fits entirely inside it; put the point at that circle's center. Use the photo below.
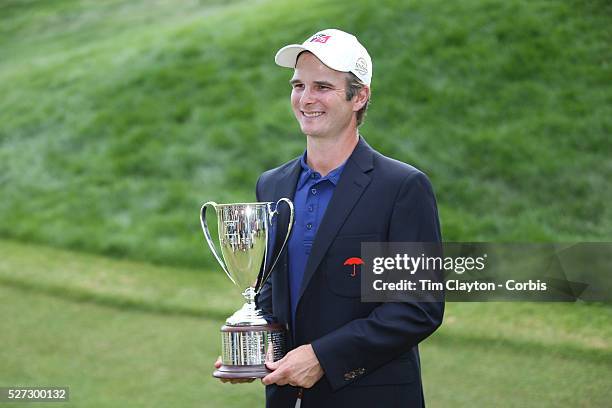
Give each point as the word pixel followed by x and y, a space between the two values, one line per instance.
pixel 336 49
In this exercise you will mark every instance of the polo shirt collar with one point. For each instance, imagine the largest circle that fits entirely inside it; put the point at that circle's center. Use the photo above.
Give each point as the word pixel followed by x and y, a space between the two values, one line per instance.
pixel 307 173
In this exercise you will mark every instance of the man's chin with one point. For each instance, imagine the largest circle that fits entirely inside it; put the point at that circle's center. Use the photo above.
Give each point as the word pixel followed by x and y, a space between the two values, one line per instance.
pixel 311 132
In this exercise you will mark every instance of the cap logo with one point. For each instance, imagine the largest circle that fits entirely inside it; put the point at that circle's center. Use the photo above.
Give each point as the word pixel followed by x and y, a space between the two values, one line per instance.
pixel 320 38
pixel 361 66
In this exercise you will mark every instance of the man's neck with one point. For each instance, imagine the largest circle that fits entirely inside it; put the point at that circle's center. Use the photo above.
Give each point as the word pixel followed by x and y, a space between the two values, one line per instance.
pixel 325 154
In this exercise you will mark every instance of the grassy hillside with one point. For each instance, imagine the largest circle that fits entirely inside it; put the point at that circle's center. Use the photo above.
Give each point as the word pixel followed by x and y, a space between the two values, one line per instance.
pixel 119 118
pixel 123 333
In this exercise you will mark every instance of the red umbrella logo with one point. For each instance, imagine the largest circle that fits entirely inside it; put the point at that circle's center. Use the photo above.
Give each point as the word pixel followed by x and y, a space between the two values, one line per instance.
pixel 353 261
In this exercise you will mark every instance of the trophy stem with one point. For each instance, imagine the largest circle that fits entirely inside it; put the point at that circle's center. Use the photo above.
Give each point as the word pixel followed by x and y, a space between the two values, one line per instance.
pixel 249 294
pixel 248 315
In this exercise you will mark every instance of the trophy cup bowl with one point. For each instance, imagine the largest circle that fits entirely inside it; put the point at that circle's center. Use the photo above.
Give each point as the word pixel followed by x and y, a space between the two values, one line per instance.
pixel 250 338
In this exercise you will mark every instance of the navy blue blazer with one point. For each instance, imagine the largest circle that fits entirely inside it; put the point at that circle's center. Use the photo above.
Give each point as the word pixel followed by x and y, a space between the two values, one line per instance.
pixel 369 351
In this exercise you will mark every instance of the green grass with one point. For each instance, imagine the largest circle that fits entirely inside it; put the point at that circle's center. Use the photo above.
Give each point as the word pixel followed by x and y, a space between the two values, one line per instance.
pixel 112 357
pixel 126 284
pixel 118 119
pixel 480 373
pixel 120 333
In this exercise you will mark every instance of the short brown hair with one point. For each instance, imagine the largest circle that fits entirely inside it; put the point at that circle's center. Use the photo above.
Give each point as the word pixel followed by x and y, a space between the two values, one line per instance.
pixel 353 86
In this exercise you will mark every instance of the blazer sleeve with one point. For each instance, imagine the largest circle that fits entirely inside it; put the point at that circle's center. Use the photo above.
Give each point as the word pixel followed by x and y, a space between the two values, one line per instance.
pixel 391 329
pixel 263 300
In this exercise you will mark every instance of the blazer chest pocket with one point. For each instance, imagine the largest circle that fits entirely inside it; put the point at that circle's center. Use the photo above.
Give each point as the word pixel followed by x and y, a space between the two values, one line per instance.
pixel 342 266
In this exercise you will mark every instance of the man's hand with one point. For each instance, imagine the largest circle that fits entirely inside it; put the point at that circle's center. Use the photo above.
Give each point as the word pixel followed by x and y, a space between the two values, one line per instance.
pixel 300 368
pixel 232 380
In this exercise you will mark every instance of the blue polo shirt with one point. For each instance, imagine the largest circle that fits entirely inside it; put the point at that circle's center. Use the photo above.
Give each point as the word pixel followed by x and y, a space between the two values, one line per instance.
pixel 312 195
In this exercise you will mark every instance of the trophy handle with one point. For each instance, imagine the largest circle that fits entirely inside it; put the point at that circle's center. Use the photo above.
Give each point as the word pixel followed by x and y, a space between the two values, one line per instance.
pixel 272 215
pixel 209 238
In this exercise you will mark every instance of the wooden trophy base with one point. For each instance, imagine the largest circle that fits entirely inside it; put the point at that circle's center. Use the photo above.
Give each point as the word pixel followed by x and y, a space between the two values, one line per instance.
pixel 232 372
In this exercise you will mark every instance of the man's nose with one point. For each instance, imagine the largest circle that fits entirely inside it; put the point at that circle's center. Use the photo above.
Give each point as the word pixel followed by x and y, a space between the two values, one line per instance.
pixel 307 96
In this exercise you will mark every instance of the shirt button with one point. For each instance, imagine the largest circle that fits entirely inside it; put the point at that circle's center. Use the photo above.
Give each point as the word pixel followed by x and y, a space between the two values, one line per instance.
pixel 310 208
pixel 313 191
pixel 309 226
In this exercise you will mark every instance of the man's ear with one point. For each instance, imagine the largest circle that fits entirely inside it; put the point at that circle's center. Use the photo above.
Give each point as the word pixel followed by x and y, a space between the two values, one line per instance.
pixel 361 98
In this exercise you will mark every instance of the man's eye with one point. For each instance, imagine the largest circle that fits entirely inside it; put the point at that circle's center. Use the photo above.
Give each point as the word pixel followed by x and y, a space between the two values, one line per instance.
pixel 324 87
pixel 298 86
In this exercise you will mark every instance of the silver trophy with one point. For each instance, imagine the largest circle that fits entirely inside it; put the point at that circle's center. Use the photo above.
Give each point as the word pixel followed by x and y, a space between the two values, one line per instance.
pixel 249 339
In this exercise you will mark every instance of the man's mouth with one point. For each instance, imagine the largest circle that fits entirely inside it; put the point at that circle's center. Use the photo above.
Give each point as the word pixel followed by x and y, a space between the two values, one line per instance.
pixel 312 114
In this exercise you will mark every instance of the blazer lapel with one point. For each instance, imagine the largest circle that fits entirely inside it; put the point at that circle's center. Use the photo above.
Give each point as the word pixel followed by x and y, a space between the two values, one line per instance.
pixel 285 187
pixel 351 186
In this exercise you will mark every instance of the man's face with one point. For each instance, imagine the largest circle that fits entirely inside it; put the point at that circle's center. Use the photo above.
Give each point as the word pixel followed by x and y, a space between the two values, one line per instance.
pixel 318 98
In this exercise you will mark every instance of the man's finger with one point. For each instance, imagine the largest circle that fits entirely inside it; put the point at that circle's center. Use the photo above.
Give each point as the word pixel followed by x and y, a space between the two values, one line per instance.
pixel 282 381
pixel 268 379
pixel 272 378
pixel 273 365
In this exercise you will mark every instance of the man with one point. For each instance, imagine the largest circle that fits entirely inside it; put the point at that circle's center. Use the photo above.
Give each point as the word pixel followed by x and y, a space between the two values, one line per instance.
pixel 344 352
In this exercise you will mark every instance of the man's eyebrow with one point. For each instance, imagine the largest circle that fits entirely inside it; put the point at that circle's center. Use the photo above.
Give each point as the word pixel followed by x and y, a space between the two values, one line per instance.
pixel 324 83
pixel 320 83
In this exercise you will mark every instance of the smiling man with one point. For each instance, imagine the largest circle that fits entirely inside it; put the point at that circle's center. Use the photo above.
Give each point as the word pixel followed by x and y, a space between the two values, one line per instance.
pixel 344 352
